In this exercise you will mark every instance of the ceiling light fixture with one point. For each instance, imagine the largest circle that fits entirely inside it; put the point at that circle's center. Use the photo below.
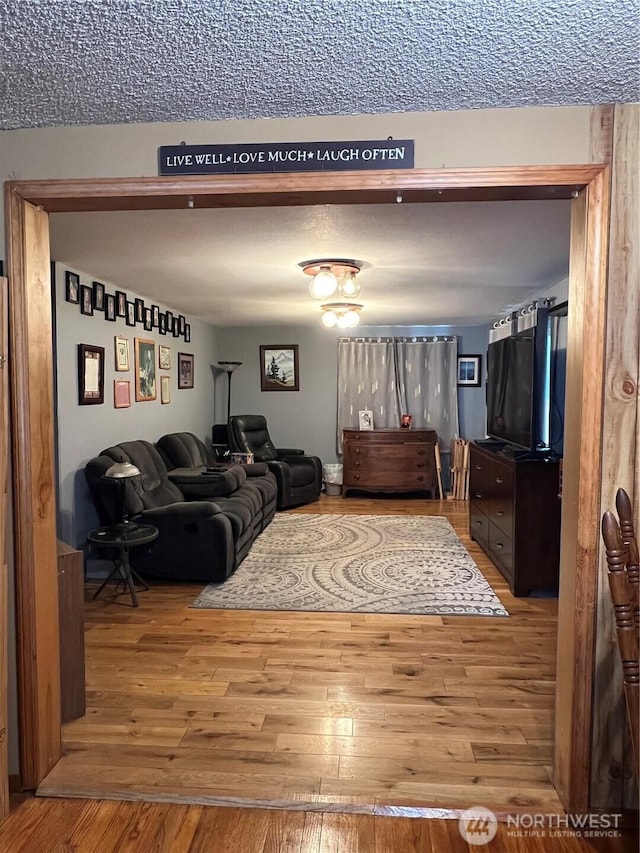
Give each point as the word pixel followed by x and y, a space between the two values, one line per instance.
pixel 344 315
pixel 335 277
pixel 332 275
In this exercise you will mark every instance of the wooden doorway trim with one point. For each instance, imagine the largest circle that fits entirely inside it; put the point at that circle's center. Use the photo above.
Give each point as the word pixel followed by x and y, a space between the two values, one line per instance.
pixel 35 535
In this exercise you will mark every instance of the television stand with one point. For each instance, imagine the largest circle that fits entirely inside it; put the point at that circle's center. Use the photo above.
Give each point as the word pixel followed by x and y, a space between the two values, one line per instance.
pixel 514 515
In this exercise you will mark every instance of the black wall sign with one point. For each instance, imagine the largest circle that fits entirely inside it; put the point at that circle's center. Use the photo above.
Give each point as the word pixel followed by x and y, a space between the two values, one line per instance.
pixel 285 157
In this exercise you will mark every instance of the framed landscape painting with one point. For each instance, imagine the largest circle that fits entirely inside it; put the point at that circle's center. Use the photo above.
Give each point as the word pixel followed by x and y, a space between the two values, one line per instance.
pixel 279 368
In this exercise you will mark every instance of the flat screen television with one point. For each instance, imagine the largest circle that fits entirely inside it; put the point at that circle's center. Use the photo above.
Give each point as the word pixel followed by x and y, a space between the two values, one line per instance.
pixel 511 402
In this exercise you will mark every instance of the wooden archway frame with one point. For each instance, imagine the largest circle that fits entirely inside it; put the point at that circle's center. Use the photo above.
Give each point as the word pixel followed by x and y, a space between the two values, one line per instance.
pixel 27 204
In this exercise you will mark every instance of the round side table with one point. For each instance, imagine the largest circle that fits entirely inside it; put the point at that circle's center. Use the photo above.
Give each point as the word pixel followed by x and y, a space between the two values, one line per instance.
pixel 121 537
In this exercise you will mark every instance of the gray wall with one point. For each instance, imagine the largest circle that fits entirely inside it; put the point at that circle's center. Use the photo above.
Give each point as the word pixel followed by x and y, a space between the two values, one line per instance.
pixel 83 431
pixel 307 418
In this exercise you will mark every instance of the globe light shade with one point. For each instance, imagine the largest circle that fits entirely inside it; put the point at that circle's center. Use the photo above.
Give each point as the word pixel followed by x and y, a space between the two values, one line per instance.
pixel 323 284
pixel 349 286
pixel 350 319
pixel 329 319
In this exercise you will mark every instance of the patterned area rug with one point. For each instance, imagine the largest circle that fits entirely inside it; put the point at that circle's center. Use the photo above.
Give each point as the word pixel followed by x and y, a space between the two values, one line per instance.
pixel 357 563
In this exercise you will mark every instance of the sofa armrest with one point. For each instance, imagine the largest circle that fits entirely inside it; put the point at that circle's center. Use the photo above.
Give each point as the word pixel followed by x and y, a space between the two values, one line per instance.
pixel 187 511
pixel 289 451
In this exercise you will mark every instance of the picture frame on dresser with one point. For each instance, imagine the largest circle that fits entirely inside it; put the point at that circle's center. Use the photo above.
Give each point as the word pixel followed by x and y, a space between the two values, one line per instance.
pixel 365 419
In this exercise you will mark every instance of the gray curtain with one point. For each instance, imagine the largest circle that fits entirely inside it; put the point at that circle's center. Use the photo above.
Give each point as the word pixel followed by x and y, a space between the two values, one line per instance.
pixel 391 377
pixel 427 383
pixel 366 380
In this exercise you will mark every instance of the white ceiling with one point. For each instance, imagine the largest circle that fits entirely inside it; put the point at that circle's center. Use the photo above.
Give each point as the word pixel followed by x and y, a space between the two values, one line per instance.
pixel 424 264
pixel 66 62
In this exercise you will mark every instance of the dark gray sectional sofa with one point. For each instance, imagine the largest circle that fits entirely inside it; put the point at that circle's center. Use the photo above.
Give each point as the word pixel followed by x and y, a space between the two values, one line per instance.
pixel 207 515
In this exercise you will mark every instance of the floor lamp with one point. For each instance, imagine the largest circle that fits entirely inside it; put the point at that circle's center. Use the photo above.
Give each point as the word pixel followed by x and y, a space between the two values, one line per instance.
pixel 221 431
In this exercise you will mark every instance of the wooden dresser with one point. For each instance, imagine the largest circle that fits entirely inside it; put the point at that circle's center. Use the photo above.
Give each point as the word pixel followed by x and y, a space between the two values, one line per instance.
pixel 389 460
pixel 514 515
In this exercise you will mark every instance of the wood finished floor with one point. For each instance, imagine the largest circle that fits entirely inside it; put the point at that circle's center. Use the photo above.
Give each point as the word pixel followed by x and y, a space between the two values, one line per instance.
pixel 82 826
pixel 334 712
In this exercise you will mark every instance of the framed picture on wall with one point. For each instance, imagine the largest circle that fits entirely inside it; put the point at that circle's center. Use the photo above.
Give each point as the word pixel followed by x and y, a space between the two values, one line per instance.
pixel 187 333
pixel 110 307
pixel 131 314
pixel 155 315
pixel 98 295
pixel 148 320
pixel 164 357
pixel 90 374
pixel 185 370
pixel 469 370
pixel 139 303
pixel 86 300
pixel 145 370
pixel 121 303
pixel 165 389
pixel 72 287
pixel 279 368
pixel 162 323
pixel 121 393
pixel 122 353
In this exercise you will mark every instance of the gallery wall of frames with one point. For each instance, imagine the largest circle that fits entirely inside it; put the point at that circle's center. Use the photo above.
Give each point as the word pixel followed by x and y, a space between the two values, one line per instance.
pixel 151 362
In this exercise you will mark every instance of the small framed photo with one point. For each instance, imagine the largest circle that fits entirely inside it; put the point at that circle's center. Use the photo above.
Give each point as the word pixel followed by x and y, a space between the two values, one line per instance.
pixel 164 357
pixel 148 320
pixel 181 324
pixel 86 300
pixel 169 322
pixel 139 303
pixel 469 368
pixel 187 333
pixel 121 303
pixel 72 287
pixel 145 370
pixel 122 353
pixel 165 389
pixel 185 370
pixel 365 419
pixel 155 316
pixel 90 374
pixel 279 368
pixel 98 295
pixel 162 324
pixel 176 328
pixel 110 307
pixel 131 314
pixel 121 393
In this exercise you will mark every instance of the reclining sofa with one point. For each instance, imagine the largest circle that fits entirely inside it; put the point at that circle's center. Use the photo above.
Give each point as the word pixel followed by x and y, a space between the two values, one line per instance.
pixel 207 516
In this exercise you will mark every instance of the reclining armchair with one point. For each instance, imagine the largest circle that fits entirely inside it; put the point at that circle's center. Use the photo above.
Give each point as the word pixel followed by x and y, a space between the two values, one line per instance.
pixel 299 477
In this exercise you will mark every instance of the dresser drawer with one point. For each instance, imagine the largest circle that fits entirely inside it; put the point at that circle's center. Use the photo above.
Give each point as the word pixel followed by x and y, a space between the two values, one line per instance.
pixel 478 524
pixel 501 546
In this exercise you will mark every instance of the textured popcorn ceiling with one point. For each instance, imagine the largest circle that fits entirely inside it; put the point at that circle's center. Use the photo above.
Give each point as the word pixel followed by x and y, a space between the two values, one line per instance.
pixel 65 62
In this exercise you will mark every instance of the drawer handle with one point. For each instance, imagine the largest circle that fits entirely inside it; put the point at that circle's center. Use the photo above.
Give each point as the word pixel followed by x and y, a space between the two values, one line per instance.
pixel 499 513
pixel 477 495
pixel 478 467
pixel 420 478
pixel 477 523
pixel 356 450
pixel 356 464
pixel 356 476
pixel 499 545
pixel 499 480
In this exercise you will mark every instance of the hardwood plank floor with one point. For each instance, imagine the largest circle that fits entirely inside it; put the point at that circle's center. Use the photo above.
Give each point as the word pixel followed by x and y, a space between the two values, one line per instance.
pixel 98 826
pixel 353 711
